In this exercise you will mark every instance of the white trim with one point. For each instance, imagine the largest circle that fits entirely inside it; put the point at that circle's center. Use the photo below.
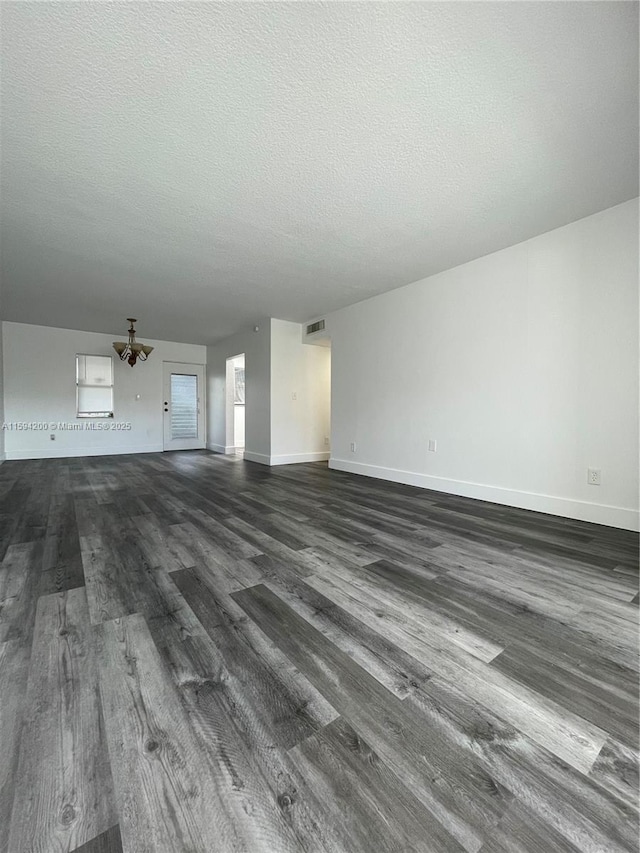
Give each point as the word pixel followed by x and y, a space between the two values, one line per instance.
pixel 220 448
pixel 612 516
pixel 260 458
pixel 295 458
pixel 263 459
pixel 65 452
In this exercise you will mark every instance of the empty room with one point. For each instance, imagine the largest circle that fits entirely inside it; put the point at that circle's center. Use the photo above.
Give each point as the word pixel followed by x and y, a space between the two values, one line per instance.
pixel 319 403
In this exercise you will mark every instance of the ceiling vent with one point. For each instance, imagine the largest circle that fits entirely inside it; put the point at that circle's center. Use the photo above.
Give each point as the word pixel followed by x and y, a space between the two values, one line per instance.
pixel 318 326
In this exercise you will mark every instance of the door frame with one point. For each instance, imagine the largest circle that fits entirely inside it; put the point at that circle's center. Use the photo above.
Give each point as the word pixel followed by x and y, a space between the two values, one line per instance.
pixel 199 370
pixel 229 404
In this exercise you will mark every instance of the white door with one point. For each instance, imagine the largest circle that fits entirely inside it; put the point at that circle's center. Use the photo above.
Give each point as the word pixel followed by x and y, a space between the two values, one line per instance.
pixel 183 406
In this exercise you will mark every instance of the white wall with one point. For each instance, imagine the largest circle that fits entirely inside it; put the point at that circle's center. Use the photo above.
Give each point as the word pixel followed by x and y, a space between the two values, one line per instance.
pixel 238 408
pixel 238 426
pixel 257 349
pixel 229 440
pixel 235 412
pixel 278 429
pixel 523 365
pixel 2 442
pixel 39 386
pixel 298 426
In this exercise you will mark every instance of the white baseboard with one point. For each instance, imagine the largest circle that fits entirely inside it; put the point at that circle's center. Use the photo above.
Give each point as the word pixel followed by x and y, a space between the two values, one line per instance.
pixel 228 450
pixel 260 458
pixel 295 458
pixel 611 516
pixel 285 459
pixel 67 452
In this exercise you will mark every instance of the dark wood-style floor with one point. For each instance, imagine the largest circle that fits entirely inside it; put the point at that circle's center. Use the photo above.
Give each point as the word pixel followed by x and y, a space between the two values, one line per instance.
pixel 202 654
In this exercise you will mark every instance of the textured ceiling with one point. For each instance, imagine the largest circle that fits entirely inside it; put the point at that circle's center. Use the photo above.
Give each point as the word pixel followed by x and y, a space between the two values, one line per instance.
pixel 199 165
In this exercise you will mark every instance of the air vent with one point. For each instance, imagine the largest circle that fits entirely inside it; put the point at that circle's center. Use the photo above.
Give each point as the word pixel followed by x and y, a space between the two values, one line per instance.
pixel 318 326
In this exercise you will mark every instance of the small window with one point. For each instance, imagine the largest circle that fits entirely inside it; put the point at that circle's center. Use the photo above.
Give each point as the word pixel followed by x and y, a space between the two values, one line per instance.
pixel 94 386
pixel 239 386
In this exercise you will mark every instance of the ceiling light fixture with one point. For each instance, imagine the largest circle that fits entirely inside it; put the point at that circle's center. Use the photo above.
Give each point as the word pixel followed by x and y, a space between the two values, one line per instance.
pixel 132 351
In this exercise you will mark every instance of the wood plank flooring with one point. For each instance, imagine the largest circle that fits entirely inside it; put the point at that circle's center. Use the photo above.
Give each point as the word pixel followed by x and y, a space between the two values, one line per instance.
pixel 201 654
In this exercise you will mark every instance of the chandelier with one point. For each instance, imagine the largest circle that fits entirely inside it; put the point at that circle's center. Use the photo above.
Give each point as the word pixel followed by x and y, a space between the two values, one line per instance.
pixel 132 351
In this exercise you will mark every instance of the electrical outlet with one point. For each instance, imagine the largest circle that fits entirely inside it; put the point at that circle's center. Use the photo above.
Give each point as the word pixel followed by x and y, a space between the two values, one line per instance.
pixel 52 437
pixel 353 447
pixel 294 395
pixel 433 445
pixel 593 476
pixel 326 441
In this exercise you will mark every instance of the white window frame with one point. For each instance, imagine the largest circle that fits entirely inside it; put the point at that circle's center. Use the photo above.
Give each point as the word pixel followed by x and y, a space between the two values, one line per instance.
pixel 101 414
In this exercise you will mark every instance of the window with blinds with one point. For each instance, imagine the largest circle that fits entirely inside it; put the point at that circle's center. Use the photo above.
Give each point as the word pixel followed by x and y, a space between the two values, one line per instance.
pixel 184 406
pixel 239 386
pixel 94 386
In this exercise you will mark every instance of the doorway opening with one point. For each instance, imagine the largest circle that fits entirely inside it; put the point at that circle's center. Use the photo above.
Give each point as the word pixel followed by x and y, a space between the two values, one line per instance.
pixel 317 373
pixel 235 406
